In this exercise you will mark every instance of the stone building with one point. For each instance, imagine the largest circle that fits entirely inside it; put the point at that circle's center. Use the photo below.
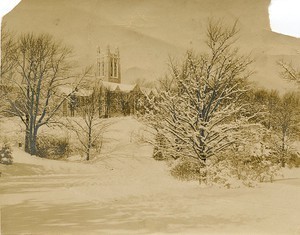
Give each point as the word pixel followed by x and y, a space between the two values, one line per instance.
pixel 108 65
pixel 114 98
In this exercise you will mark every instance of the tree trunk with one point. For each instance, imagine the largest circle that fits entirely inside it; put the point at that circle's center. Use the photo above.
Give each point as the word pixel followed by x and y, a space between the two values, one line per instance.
pixel 27 141
pixel 203 172
pixel 33 145
pixel 30 141
pixel 283 148
pixel 27 135
pixel 89 145
pixel 88 155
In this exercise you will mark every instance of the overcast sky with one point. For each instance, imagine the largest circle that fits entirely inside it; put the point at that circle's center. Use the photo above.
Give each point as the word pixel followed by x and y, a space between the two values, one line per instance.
pixel 285 17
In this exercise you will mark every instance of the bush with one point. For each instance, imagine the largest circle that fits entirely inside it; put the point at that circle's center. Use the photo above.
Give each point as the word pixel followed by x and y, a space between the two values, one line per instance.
pixel 228 170
pixel 187 169
pixel 258 168
pixel 159 146
pixel 53 147
pixel 6 155
pixel 158 154
pixel 293 160
pixel 212 172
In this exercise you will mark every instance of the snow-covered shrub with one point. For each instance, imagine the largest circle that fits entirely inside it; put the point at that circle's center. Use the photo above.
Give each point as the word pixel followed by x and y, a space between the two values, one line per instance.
pixel 229 169
pixel 252 163
pixel 53 147
pixel 257 168
pixel 164 149
pixel 293 160
pixel 158 149
pixel 253 158
pixel 6 155
pixel 283 151
pixel 222 173
pixel 188 169
pixel 236 169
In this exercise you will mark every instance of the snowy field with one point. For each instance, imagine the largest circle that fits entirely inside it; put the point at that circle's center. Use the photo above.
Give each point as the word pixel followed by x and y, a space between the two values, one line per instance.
pixel 125 191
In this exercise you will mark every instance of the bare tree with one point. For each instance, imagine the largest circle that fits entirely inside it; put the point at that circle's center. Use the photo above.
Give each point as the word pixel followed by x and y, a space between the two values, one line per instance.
pixel 43 67
pixel 88 127
pixel 286 120
pixel 289 71
pixel 281 116
pixel 7 64
pixel 166 83
pixel 8 48
pixel 264 103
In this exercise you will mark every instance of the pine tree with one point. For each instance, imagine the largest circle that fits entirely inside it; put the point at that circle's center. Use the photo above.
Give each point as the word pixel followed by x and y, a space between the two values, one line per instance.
pixel 6 155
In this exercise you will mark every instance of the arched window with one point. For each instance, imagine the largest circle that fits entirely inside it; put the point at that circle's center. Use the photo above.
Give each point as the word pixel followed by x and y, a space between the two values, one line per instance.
pixel 111 68
pixel 115 69
pixel 99 68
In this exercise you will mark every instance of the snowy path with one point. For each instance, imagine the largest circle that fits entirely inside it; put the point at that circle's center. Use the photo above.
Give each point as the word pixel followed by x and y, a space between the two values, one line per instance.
pixel 64 205
pixel 127 192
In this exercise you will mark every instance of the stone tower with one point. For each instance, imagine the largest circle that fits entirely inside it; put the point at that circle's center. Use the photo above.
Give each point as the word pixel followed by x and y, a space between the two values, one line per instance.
pixel 108 65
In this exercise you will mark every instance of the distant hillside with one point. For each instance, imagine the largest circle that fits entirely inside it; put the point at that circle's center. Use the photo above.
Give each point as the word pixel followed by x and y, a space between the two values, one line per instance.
pixel 148 32
pixel 135 74
pixel 267 48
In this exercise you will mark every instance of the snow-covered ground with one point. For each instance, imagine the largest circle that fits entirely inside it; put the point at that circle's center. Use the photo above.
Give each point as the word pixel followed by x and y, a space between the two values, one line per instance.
pixel 125 191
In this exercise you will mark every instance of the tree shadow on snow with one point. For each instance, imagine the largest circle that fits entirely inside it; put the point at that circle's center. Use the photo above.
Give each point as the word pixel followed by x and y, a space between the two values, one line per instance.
pixel 110 218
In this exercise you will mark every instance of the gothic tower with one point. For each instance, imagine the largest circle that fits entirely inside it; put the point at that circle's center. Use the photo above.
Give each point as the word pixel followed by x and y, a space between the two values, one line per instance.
pixel 108 65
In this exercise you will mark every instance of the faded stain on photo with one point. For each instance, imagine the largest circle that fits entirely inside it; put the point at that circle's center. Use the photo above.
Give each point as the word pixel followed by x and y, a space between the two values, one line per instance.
pixel 149 117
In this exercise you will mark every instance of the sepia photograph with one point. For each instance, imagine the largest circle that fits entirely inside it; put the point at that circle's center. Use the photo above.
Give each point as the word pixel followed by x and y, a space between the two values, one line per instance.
pixel 150 117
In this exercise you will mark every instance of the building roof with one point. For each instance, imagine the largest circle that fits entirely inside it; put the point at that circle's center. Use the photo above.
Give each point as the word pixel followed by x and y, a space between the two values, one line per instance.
pixel 148 91
pixel 126 88
pixel 68 89
pixel 118 86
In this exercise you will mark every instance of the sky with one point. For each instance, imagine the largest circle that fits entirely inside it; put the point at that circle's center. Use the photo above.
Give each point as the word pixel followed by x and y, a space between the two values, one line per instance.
pixel 7 5
pixel 285 17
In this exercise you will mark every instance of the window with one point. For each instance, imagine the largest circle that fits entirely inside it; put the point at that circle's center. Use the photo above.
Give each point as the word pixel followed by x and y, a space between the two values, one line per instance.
pixel 99 68
pixel 115 69
pixel 111 67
